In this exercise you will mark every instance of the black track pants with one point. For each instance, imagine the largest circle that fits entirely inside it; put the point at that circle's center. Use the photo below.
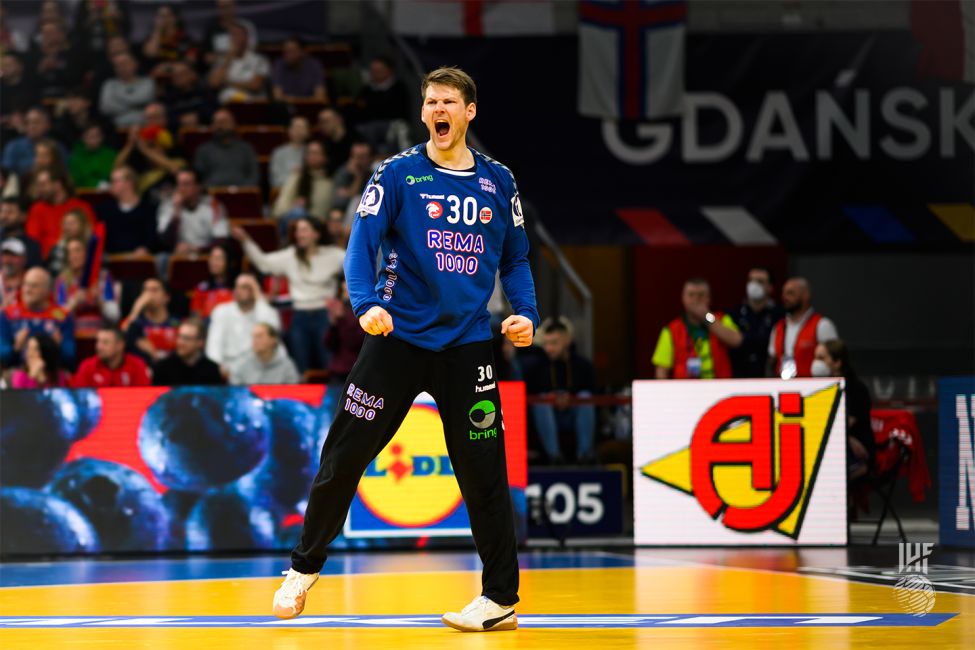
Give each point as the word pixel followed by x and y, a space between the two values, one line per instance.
pixel 397 372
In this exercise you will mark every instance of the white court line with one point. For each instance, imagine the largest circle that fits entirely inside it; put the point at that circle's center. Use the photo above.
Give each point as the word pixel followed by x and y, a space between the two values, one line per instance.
pixel 687 563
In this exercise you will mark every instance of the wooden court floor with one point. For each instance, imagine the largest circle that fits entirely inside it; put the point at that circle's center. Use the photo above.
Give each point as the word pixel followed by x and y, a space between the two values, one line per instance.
pixel 649 598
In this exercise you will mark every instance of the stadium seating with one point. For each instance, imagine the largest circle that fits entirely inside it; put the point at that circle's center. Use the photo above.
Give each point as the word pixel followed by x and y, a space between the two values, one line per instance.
pixel 128 266
pixel 264 139
pixel 241 202
pixel 308 108
pixel 84 343
pixel 330 56
pixel 253 111
pixel 264 232
pixel 190 138
pixel 187 271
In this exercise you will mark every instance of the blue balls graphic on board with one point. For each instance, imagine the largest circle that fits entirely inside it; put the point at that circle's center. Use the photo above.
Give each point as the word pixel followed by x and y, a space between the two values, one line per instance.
pixel 35 522
pixel 38 428
pixel 179 504
pixel 89 411
pixel 200 438
pixel 224 520
pixel 125 510
pixel 284 477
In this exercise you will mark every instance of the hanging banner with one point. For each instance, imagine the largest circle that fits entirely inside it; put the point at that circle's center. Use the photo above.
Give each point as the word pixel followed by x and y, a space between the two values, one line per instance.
pixel 740 462
pixel 835 141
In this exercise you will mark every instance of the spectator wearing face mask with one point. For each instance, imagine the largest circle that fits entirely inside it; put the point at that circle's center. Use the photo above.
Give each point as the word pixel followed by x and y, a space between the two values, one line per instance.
pixel 792 344
pixel 832 359
pixel 755 317
pixel 695 345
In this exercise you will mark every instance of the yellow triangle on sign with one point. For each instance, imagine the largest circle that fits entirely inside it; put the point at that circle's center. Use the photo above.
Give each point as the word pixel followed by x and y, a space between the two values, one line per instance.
pixel 673 470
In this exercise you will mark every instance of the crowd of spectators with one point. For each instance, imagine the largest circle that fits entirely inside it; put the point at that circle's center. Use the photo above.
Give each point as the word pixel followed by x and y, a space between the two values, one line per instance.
pixel 97 170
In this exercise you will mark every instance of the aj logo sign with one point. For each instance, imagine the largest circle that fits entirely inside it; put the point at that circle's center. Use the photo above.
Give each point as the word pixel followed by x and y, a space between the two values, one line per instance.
pixel 753 462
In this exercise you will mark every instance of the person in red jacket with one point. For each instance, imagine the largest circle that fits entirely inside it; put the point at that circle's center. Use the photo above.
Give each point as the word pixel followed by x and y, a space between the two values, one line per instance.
pixel 54 200
pixel 792 345
pixel 695 345
pixel 111 365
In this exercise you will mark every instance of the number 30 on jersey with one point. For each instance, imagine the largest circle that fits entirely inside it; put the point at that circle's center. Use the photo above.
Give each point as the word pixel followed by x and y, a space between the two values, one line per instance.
pixel 468 212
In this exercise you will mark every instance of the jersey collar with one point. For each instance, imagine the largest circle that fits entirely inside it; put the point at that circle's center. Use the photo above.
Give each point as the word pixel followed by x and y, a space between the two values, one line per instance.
pixel 461 173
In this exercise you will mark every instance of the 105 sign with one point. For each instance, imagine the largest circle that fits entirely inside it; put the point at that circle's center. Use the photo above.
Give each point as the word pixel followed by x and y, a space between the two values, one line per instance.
pixel 589 500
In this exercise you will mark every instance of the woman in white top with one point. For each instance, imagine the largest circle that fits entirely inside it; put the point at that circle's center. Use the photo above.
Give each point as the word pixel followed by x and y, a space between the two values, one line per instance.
pixel 310 263
pixel 308 191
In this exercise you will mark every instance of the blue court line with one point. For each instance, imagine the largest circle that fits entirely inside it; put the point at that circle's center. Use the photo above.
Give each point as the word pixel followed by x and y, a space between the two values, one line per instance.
pixel 94 571
pixel 557 621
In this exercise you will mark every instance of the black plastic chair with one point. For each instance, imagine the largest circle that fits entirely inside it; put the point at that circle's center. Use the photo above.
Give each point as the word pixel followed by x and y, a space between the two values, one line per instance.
pixel 883 484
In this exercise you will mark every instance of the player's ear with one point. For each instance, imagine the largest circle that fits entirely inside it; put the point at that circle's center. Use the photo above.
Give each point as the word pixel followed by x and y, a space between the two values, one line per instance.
pixel 471 111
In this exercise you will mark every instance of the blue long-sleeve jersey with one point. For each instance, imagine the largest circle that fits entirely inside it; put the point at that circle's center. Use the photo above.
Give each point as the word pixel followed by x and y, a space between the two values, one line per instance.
pixel 444 234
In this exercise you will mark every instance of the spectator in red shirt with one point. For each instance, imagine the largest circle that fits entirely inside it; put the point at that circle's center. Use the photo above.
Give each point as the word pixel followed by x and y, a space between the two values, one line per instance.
pixel 111 365
pixel 150 330
pixel 219 287
pixel 54 200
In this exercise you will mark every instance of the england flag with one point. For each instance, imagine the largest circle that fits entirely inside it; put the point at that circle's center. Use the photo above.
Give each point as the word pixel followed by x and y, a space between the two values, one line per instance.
pixel 631 58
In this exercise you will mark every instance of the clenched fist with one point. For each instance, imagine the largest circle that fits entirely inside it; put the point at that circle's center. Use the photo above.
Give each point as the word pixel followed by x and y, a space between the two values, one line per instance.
pixel 519 330
pixel 376 321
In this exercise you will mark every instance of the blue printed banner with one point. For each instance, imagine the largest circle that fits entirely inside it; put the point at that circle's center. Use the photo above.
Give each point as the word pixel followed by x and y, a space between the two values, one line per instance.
pixel 956 475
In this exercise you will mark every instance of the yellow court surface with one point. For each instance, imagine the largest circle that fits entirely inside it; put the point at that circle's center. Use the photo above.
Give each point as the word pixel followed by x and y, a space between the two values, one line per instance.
pixel 648 599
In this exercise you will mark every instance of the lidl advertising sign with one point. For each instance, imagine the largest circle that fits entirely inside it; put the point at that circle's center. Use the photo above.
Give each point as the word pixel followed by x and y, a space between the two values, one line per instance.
pixel 410 489
pixel 739 462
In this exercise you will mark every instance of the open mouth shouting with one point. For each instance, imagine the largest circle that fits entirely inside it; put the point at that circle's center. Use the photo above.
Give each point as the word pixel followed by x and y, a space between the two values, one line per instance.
pixel 442 128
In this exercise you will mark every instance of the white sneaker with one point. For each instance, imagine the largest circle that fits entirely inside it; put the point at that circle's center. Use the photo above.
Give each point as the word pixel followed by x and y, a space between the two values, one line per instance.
pixel 482 615
pixel 289 600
